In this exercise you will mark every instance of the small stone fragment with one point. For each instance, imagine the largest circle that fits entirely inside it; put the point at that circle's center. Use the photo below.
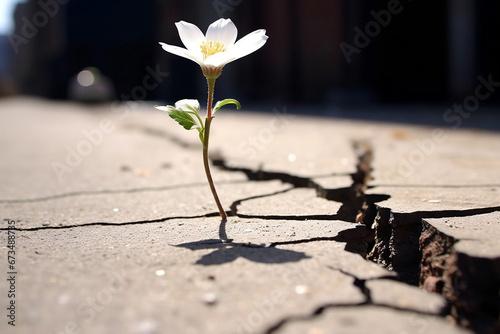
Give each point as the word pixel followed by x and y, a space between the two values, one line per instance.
pixel 209 298
pixel 302 289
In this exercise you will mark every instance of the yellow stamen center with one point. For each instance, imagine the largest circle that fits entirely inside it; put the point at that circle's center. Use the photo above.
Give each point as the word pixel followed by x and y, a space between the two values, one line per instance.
pixel 209 48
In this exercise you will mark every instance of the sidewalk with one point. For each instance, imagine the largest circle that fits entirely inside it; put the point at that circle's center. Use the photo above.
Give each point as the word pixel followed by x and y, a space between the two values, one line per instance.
pixel 116 230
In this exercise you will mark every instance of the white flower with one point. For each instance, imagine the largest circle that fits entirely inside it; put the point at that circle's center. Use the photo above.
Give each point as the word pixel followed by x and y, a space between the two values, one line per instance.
pixel 217 48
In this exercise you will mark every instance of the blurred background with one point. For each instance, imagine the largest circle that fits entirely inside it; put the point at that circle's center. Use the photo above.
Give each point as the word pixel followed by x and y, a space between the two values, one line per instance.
pixel 322 56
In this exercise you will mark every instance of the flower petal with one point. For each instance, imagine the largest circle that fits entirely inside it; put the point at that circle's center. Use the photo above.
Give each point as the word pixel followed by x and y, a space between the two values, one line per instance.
pixel 224 31
pixel 219 59
pixel 248 44
pixel 182 52
pixel 190 35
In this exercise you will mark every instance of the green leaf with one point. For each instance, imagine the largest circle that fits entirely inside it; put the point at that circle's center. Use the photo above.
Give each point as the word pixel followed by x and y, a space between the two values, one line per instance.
pixel 222 103
pixel 202 135
pixel 183 118
pixel 183 113
pixel 189 105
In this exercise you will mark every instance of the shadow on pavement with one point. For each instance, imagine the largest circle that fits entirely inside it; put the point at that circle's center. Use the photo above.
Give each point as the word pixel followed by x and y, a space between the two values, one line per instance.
pixel 228 252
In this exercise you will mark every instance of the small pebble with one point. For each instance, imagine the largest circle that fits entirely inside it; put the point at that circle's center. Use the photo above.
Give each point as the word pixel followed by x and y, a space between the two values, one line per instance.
pixel 301 289
pixel 209 298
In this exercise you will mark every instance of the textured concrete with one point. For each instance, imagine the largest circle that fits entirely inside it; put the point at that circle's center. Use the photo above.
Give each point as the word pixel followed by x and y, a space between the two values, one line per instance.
pixel 367 319
pixel 434 200
pixel 116 229
pixel 461 258
pixel 294 203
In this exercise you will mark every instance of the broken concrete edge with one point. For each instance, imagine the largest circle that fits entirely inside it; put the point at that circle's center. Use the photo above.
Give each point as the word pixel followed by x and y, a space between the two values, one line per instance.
pixel 420 254
pixel 469 282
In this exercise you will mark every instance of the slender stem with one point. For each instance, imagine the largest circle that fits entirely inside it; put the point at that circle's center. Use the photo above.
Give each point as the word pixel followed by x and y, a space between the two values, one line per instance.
pixel 211 86
pixel 208 121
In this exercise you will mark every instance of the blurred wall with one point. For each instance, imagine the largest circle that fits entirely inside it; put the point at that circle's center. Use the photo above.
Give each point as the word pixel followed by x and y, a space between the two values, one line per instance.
pixel 322 51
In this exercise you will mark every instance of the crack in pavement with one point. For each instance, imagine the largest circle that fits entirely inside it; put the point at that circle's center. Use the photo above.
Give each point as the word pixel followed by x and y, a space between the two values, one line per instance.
pixel 234 206
pixel 321 309
pixel 352 198
pixel 116 191
pixel 350 237
pixel 159 220
pixel 400 245
pixel 374 216
pixel 359 283
pixel 392 228
pixel 344 236
pixel 356 207
pixel 366 292
pixel 225 252
pixel 305 317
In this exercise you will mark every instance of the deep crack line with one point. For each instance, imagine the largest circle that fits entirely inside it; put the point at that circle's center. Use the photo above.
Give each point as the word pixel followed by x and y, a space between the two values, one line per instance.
pixel 303 241
pixel 343 237
pixel 352 198
pixel 260 175
pixel 359 283
pixel 234 205
pixel 290 217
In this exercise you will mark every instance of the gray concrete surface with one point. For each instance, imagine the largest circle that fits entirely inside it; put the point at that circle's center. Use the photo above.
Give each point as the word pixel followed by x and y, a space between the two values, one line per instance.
pixel 116 230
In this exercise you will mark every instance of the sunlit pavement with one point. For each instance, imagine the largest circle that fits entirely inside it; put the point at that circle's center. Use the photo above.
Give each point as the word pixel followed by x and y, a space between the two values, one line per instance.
pixel 336 225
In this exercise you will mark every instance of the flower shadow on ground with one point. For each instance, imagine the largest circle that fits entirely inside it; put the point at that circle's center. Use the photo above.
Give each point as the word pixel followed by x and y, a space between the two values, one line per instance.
pixel 228 252
pixel 225 252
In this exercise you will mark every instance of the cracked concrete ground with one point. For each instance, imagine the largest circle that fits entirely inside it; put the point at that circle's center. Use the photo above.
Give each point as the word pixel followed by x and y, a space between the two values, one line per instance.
pixel 337 226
